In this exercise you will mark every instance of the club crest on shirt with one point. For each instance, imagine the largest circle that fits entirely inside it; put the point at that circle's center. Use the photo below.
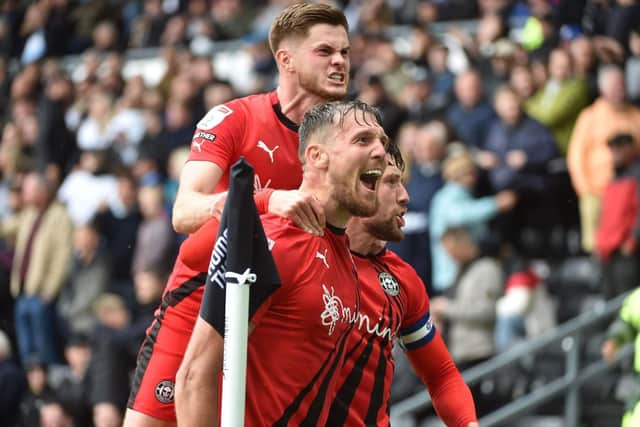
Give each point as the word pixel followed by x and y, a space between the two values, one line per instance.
pixel 214 117
pixel 389 283
pixel 165 391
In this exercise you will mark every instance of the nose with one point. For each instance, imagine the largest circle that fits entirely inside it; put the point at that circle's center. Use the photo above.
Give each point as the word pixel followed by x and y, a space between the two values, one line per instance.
pixel 378 151
pixel 403 196
pixel 338 59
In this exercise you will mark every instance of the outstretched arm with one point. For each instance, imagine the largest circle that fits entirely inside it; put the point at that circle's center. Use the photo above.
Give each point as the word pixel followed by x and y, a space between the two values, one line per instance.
pixel 452 398
pixel 196 397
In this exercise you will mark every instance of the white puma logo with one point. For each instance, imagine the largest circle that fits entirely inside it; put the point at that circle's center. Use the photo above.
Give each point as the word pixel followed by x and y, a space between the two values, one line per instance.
pixel 269 151
pixel 323 257
pixel 198 145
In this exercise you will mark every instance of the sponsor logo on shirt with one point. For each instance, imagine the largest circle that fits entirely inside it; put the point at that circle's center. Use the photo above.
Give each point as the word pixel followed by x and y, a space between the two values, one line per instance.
pixel 214 117
pixel 164 391
pixel 389 283
pixel 263 146
pixel 334 312
pixel 200 138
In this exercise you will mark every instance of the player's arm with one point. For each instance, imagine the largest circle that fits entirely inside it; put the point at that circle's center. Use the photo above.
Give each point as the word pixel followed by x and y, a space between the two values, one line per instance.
pixel 196 399
pixel 452 398
pixel 195 203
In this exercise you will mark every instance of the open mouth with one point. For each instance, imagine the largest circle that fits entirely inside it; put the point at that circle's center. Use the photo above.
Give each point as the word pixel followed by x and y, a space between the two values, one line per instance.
pixel 337 77
pixel 370 178
pixel 400 220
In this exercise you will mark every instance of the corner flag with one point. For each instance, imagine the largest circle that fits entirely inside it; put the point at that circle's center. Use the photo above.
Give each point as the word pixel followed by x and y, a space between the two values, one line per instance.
pixel 240 258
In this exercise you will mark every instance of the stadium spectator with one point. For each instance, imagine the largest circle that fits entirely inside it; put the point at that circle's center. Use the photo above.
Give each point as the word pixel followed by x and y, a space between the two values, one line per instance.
pixel 155 243
pixel 39 391
pixel 467 313
pixel 424 181
pixel 471 115
pixel 585 63
pixel 118 225
pixel 619 227
pixel 516 155
pixel 522 82
pixel 525 310
pixel 89 277
pixel 72 386
pixel 623 331
pixel 559 102
pixel 12 382
pixel 632 66
pixel 115 345
pixel 454 205
pixel 371 90
pixel 43 231
pixel 588 156
pixel 89 187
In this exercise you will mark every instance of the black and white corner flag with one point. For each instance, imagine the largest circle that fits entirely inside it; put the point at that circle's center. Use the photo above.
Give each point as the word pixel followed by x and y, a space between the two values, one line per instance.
pixel 241 249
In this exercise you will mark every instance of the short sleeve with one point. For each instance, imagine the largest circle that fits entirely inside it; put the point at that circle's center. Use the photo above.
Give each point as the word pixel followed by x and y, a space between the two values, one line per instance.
pixel 218 134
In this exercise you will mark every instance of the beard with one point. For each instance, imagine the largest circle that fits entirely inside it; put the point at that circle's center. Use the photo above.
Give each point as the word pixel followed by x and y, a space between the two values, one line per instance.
pixel 347 199
pixel 384 230
pixel 309 82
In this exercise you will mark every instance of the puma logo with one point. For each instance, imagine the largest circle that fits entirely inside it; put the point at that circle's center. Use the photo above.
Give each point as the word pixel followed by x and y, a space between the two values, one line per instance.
pixel 323 257
pixel 198 145
pixel 269 151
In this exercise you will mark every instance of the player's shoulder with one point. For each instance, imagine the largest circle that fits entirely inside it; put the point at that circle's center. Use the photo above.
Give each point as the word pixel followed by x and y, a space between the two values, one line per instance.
pixel 238 109
pixel 282 232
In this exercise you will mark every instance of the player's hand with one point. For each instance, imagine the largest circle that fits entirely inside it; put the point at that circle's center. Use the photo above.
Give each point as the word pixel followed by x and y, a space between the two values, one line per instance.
pixel 609 350
pixel 302 208
pixel 217 205
pixel 473 425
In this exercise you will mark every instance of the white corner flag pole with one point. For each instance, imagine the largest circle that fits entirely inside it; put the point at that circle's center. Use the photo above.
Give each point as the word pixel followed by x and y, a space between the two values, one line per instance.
pixel 236 334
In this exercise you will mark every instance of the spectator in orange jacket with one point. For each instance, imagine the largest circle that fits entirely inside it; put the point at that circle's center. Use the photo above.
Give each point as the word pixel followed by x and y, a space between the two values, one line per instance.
pixel 589 160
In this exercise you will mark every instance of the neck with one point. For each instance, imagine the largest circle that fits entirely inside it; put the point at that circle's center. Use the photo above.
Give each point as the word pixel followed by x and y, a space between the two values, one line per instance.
pixel 294 102
pixel 317 184
pixel 362 242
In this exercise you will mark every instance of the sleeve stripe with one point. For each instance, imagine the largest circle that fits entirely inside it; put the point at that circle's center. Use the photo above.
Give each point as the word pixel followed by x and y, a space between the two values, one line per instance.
pixel 419 324
pixel 418 334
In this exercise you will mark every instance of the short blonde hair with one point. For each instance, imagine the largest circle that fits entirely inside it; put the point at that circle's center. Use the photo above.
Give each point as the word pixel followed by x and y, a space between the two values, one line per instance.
pixel 456 165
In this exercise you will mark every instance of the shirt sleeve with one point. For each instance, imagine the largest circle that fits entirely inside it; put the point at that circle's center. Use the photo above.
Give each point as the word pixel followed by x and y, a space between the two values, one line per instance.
pixel 452 398
pixel 417 327
pixel 218 135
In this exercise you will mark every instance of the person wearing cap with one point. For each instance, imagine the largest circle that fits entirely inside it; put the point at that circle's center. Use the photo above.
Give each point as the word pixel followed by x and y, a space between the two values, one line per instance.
pixel 454 206
pixel 618 230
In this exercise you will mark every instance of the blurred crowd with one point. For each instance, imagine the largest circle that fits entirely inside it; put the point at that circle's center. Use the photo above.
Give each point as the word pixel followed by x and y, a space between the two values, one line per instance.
pixel 518 120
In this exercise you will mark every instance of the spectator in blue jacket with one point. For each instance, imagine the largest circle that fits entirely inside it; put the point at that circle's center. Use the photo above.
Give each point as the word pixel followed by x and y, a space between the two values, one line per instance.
pixel 454 206
pixel 471 115
pixel 516 155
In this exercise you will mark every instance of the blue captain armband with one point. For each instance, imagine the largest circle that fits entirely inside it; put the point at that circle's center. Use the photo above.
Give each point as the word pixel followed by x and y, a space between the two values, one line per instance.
pixel 418 334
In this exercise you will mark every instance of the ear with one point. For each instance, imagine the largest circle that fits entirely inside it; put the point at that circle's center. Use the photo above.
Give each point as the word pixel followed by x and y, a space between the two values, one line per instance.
pixel 285 60
pixel 317 156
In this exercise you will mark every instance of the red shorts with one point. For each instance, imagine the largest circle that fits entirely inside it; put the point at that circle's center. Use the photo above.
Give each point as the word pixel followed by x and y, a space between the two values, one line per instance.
pixel 152 389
